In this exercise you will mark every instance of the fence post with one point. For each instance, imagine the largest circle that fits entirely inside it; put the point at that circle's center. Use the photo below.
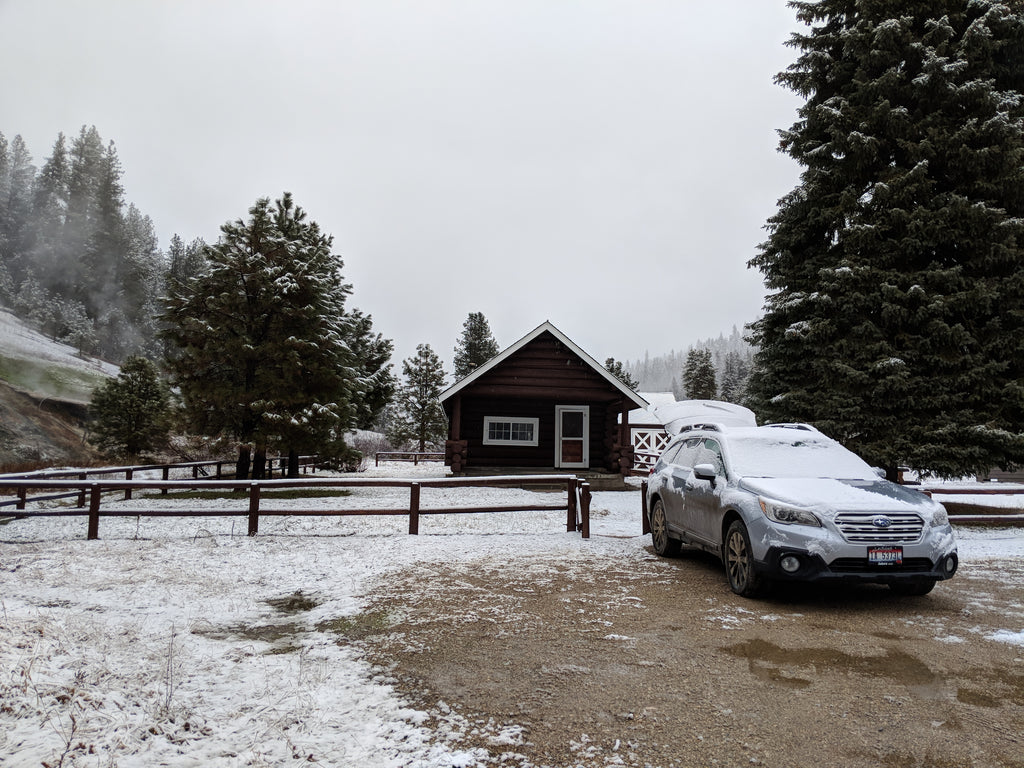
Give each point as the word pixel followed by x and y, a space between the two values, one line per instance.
pixel 165 475
pixel 254 508
pixel 128 473
pixel 94 513
pixel 645 523
pixel 585 509
pixel 22 493
pixel 570 515
pixel 81 491
pixel 414 509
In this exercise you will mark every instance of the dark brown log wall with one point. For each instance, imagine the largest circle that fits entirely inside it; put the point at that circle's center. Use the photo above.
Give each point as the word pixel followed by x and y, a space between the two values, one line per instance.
pixel 543 455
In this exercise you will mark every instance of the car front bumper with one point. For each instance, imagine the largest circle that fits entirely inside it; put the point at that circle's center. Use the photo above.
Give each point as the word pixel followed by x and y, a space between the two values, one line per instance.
pixel 813 568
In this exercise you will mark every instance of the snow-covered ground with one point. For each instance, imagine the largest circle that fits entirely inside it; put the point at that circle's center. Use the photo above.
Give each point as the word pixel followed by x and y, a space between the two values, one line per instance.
pixel 183 642
pixel 23 343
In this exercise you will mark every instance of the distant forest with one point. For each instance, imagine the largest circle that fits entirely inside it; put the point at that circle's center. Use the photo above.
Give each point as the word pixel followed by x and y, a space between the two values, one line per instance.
pixel 731 356
pixel 77 260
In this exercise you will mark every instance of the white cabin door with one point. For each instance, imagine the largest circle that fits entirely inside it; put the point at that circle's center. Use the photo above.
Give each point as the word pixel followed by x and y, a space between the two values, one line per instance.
pixel 572 436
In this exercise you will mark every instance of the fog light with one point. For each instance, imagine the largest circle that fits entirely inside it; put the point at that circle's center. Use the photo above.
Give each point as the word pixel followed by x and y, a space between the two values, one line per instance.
pixel 949 564
pixel 790 563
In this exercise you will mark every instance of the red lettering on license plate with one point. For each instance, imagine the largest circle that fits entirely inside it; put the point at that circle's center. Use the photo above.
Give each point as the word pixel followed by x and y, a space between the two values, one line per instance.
pixel 885 555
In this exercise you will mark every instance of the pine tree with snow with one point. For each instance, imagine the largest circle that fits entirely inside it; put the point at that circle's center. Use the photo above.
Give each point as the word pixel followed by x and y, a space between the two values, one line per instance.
pixel 372 353
pixel 131 413
pixel 16 177
pixel 735 372
pixel 699 375
pixel 475 347
pixel 616 369
pixel 416 416
pixel 261 336
pixel 895 321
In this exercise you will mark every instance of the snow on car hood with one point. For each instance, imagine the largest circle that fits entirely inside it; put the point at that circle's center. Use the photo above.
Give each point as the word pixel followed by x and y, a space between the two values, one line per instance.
pixel 829 496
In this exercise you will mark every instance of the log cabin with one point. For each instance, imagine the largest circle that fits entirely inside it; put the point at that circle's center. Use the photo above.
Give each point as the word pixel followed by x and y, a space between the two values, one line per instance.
pixel 541 404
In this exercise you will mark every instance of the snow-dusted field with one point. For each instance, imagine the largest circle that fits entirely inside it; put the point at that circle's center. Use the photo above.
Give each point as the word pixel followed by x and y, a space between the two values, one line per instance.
pixel 24 343
pixel 172 641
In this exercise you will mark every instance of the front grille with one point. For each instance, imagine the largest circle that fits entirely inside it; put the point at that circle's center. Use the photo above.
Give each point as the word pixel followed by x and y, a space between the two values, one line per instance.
pixel 857 528
pixel 861 565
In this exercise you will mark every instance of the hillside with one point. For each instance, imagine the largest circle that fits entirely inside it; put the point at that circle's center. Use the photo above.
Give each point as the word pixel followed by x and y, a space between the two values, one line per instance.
pixel 44 390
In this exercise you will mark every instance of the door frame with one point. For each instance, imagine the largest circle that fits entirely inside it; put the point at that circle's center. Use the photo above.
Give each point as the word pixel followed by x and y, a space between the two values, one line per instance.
pixel 562 409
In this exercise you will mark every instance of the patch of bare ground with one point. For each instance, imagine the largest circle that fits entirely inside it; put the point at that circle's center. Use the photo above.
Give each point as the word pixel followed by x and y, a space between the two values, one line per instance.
pixel 655 663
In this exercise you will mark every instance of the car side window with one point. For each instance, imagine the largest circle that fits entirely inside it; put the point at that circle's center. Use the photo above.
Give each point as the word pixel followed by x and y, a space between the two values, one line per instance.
pixel 688 450
pixel 711 453
pixel 669 454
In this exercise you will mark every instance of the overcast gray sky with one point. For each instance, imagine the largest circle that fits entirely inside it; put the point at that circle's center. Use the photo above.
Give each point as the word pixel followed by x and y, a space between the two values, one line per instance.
pixel 607 165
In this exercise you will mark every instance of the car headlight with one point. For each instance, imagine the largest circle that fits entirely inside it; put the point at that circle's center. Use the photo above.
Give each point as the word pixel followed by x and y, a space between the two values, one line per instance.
pixel 940 517
pixel 787 514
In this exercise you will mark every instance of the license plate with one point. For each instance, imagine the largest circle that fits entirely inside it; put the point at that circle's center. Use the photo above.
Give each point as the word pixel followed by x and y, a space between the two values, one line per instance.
pixel 885 555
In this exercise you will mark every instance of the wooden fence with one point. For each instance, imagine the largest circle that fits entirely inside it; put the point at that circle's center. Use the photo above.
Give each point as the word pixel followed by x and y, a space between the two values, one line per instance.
pixel 414 456
pixel 576 505
pixel 197 468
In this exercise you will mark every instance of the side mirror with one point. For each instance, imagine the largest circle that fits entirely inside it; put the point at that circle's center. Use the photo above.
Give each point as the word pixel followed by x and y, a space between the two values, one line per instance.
pixel 705 472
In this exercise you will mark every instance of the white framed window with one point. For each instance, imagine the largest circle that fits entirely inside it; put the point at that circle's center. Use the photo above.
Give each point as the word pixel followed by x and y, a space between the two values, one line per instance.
pixel 505 430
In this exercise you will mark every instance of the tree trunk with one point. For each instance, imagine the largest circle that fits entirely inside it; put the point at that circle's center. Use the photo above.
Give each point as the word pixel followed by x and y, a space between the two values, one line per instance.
pixel 293 463
pixel 242 466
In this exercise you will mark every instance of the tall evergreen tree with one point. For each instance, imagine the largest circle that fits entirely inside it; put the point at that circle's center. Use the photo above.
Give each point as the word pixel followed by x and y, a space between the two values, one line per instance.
pixel 417 415
pixel 377 383
pixel 16 207
pixel 5 190
pixel 184 261
pixel 896 318
pixel 699 375
pixel 262 335
pixel 475 347
pixel 734 378
pixel 49 210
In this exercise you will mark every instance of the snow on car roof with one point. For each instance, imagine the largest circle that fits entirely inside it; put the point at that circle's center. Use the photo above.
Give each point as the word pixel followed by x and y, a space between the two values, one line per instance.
pixel 793 451
pixel 685 413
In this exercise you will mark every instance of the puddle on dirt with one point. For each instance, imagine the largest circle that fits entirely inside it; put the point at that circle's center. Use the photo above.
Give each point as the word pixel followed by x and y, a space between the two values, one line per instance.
pixel 777 665
pixel 297 602
pixel 267 633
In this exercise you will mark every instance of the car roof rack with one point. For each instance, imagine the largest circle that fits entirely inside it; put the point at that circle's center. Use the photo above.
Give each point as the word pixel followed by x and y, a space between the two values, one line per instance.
pixel 794 425
pixel 710 426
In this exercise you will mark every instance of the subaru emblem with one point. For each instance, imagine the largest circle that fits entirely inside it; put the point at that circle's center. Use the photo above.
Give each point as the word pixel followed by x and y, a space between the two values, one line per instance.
pixel 881 521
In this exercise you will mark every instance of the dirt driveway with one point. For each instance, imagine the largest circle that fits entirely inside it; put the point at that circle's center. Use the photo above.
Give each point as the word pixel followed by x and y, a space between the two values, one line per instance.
pixel 655 663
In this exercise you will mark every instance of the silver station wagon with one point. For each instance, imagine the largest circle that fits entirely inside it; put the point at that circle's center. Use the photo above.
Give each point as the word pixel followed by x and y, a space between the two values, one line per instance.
pixel 785 503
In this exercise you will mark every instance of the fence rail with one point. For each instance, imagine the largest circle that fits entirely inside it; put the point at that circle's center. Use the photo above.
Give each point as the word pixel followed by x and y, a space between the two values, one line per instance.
pixel 306 464
pixel 414 456
pixel 576 506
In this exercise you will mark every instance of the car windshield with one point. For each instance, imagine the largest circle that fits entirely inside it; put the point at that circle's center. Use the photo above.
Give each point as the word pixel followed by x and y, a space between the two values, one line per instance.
pixel 796 455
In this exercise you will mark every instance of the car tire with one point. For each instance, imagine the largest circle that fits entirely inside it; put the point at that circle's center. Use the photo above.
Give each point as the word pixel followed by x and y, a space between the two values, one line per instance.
pixel 744 580
pixel 664 545
pixel 912 588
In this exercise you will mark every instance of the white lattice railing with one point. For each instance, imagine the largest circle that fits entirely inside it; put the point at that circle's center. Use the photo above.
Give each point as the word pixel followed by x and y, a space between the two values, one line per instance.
pixel 648 443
